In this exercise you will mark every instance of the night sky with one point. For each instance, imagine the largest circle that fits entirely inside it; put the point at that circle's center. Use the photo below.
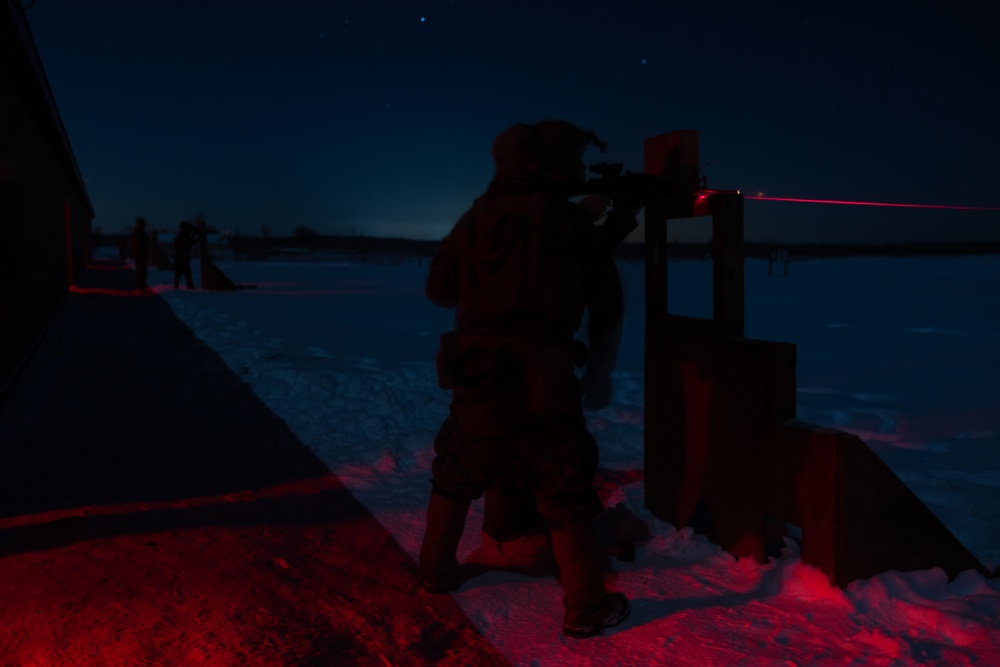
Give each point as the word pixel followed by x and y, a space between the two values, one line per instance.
pixel 377 117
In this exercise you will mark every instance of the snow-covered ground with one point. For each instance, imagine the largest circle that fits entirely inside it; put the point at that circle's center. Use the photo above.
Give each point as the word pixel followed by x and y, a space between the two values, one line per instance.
pixel 903 352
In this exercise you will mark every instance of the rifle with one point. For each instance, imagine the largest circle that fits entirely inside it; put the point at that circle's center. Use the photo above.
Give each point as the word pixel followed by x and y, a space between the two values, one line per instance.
pixel 628 189
pixel 635 191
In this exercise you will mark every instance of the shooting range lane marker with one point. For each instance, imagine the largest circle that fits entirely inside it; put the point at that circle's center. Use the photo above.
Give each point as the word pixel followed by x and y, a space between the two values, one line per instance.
pixel 871 203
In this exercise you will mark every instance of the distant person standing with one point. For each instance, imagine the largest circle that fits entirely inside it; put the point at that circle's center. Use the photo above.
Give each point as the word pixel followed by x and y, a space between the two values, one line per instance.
pixel 187 236
pixel 139 245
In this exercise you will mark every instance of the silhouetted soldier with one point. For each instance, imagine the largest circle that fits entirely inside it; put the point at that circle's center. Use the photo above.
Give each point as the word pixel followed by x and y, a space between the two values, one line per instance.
pixel 513 532
pixel 139 245
pixel 187 236
pixel 520 267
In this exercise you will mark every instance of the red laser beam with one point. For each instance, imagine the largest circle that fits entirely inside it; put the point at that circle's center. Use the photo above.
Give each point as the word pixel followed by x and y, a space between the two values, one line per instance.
pixel 871 203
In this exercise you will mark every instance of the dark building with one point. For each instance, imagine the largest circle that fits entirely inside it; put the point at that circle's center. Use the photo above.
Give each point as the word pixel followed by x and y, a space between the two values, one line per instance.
pixel 45 213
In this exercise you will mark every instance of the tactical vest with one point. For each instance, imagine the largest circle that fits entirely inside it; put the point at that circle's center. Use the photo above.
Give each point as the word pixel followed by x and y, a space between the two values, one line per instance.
pixel 521 267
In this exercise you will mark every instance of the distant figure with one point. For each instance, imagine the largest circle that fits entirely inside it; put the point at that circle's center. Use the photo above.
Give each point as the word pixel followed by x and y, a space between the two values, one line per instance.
pixel 521 268
pixel 187 236
pixel 778 256
pixel 139 245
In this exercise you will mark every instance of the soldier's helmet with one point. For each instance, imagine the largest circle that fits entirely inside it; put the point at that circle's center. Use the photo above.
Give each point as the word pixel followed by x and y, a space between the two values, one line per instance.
pixel 563 147
pixel 516 152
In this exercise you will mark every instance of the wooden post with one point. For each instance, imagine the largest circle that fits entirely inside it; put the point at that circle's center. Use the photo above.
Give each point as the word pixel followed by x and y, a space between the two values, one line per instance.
pixel 728 258
pixel 68 233
pixel 674 158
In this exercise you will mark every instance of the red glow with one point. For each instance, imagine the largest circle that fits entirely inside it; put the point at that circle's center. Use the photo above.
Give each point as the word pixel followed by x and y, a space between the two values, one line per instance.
pixel 285 575
pixel 871 203
pixel 105 291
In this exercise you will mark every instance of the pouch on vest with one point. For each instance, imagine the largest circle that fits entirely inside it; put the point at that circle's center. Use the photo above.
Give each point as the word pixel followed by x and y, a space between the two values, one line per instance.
pixel 489 402
pixel 550 381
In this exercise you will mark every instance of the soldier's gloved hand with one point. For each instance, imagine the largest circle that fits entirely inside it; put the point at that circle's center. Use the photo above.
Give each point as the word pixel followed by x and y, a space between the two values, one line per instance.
pixel 596 391
pixel 595 206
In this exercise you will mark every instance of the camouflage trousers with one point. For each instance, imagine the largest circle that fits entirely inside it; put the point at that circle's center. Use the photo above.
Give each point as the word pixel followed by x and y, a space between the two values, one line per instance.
pixel 553 454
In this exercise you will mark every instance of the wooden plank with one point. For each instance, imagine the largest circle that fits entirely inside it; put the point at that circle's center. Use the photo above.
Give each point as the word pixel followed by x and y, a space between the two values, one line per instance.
pixel 728 257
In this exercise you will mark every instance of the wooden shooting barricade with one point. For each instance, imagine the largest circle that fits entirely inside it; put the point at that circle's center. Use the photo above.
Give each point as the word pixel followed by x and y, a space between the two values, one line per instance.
pixel 212 277
pixel 721 436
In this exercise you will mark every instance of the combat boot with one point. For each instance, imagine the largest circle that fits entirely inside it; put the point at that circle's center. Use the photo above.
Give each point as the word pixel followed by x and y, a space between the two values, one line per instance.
pixel 439 572
pixel 588 607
